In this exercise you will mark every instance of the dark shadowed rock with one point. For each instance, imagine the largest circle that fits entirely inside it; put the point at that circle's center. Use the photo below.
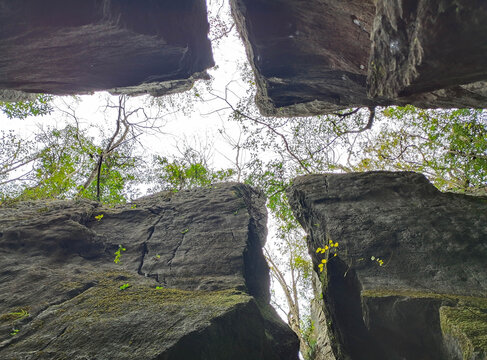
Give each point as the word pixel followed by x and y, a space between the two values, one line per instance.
pixel 312 57
pixel 133 47
pixel 409 281
pixel 309 57
pixel 198 284
pixel 424 45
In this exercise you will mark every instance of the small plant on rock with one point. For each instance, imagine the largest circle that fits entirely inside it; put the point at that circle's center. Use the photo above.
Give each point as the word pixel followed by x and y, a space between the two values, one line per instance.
pixel 124 286
pixel 330 250
pixel 118 254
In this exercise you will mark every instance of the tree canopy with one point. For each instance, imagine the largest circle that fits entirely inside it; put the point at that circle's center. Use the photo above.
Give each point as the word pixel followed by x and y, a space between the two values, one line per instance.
pixel 112 166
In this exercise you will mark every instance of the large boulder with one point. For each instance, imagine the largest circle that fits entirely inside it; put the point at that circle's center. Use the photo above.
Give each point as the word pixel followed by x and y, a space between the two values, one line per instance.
pixel 313 57
pixel 409 280
pixel 170 276
pixel 133 47
pixel 308 57
pixel 424 45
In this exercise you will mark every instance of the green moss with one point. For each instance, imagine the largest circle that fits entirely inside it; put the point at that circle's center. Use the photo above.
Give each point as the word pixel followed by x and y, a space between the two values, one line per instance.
pixel 464 318
pixel 104 306
pixel 468 326
pixel 470 300
pixel 106 299
pixel 16 314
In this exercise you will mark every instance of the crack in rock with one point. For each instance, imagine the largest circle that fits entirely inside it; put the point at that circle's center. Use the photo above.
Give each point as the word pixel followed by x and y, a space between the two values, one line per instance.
pixel 169 262
pixel 145 250
pixel 54 338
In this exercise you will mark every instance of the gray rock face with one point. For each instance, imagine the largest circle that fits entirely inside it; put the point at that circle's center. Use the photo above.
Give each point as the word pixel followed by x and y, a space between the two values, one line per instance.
pixel 423 45
pixel 192 281
pixel 309 57
pixel 409 280
pixel 313 57
pixel 72 47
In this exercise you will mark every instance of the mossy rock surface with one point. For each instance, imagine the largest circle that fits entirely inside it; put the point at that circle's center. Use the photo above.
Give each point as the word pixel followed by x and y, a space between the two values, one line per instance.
pixel 467 326
pixel 137 322
pixel 463 319
pixel 191 282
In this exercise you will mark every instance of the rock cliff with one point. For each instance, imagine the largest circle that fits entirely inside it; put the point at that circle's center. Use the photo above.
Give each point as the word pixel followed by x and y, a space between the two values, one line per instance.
pixel 318 56
pixel 171 276
pixel 132 47
pixel 409 280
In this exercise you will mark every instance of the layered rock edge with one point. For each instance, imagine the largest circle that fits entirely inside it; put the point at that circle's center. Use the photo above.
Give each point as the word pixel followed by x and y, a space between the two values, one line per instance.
pixel 127 47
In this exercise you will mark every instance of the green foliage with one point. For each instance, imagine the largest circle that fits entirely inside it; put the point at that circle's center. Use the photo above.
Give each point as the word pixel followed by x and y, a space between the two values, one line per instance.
pixel 63 164
pixel 118 254
pixel 448 146
pixel 124 286
pixel 22 109
pixel 15 315
pixel 309 336
pixel 15 153
pixel 186 173
pixel 379 261
pixel 99 217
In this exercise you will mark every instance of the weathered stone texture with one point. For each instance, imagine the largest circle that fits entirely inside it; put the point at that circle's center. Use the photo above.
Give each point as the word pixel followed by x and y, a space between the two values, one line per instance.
pixel 203 247
pixel 313 57
pixel 309 57
pixel 72 47
pixel 425 45
pixel 419 304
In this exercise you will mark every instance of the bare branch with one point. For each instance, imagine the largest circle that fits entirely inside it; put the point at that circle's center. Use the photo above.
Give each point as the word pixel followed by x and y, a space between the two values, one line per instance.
pixel 346 114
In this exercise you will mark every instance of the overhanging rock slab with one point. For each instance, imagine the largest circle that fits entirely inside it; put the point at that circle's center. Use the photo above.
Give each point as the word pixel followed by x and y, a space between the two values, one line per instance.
pixel 423 45
pixel 309 57
pixel 134 47
pixel 312 57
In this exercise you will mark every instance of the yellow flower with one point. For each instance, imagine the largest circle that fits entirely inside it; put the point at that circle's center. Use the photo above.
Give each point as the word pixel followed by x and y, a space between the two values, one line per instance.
pixel 321 269
pixel 326 247
pixel 334 255
pixel 318 250
pixel 330 241
pixel 324 261
pixel 336 244
pixel 323 251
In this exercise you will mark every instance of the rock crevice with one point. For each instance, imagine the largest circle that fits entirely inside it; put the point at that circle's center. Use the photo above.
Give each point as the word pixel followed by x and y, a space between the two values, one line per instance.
pixel 408 255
